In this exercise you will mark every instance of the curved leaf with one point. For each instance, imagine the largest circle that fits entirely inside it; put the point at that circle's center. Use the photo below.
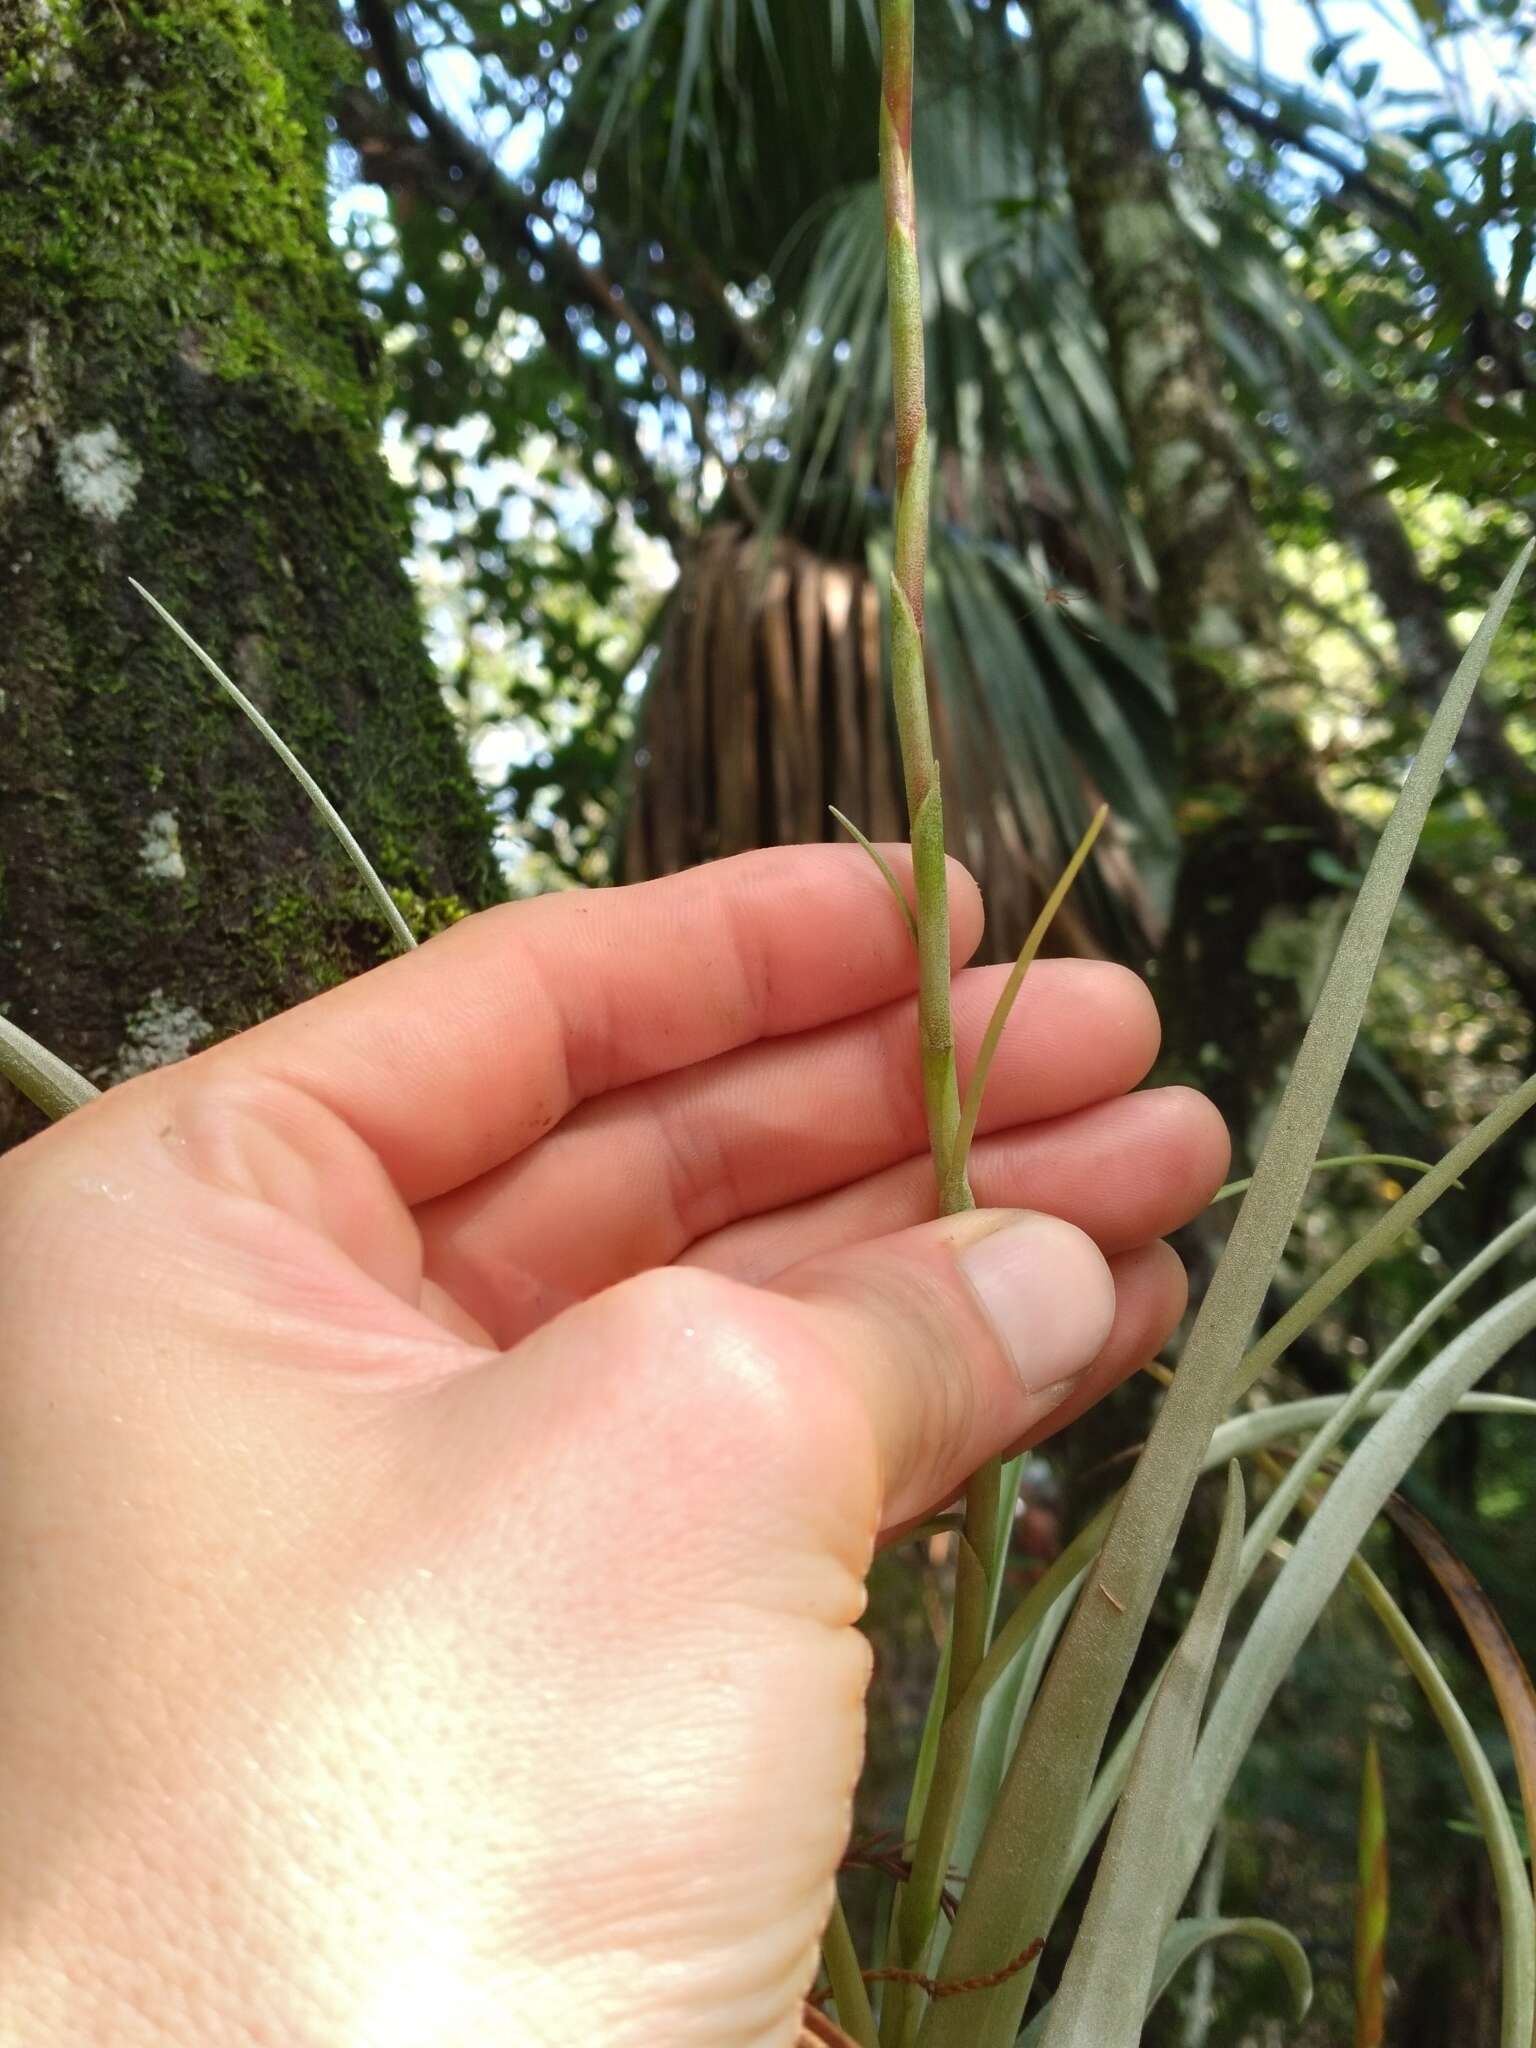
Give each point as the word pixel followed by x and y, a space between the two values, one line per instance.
pixel 1322 1556
pixel 1496 1649
pixel 1186 1938
pixel 1516 1916
pixel 290 760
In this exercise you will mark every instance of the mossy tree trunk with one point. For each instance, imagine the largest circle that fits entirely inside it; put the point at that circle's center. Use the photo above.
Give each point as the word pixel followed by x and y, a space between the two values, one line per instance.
pixel 1251 814
pixel 186 397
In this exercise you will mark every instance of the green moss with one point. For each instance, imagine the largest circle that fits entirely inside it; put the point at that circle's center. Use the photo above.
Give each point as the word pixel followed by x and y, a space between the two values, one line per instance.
pixel 294 944
pixel 428 915
pixel 174 150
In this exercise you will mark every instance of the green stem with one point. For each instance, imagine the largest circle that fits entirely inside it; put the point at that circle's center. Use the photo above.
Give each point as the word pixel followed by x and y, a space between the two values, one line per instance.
pixel 855 2015
pixel 913 1928
pixel 909 681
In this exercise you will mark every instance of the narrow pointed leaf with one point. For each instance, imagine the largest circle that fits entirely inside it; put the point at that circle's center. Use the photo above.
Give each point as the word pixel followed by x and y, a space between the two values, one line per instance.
pixel 40 1074
pixel 1241 1187
pixel 997 1023
pixel 1517 1918
pixel 1186 1938
pixel 1107 1984
pixel 882 864
pixel 1241 1435
pixel 1371 1907
pixel 1012 1886
pixel 1319 1561
pixel 290 760
pixel 1496 1649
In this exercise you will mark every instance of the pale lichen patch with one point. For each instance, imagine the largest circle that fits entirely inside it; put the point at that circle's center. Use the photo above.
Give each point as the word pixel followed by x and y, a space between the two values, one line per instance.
pixel 1172 465
pixel 47 29
pixel 99 473
pixel 1136 233
pixel 160 852
pixel 1210 503
pixel 25 420
pixel 158 1035
pixel 1218 630
pixel 1152 356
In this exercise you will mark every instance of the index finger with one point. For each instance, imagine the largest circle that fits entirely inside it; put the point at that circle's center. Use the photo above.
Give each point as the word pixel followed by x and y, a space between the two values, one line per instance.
pixel 456 1057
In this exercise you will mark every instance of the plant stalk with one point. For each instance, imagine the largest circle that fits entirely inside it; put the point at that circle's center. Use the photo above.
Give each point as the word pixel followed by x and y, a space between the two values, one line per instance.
pixel 909 683
pixel 916 1911
pixel 854 2013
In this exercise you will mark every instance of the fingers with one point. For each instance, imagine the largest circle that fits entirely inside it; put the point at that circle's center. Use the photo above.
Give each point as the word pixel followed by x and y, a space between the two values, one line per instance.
pixel 456 1057
pixel 1122 1171
pixel 634 1179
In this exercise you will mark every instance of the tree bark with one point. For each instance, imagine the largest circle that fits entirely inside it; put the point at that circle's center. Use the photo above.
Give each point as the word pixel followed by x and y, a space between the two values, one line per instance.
pixel 186 397
pixel 1252 813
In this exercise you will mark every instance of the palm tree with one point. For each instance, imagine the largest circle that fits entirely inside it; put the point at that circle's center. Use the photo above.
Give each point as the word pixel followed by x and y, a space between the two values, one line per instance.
pixel 766 700
pixel 690 226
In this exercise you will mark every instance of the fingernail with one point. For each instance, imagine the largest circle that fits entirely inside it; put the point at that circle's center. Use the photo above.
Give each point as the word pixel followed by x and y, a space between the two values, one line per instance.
pixel 1046 1291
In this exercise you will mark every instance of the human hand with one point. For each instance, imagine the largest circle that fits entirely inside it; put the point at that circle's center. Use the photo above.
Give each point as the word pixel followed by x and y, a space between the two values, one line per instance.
pixel 444 1433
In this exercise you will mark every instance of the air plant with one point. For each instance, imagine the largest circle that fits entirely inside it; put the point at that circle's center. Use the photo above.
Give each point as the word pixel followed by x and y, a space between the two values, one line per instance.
pixel 1077 1633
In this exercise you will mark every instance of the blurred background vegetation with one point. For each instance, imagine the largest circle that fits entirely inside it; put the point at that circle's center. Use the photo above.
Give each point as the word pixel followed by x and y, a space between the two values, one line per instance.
pixel 1233 389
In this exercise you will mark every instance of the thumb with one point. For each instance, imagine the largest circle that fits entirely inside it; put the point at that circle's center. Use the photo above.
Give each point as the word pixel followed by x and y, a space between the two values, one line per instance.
pixel 873 1379
pixel 957 1338
pixel 683 1479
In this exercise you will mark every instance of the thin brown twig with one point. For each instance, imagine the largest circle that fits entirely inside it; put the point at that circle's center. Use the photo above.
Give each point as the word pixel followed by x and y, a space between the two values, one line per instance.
pixel 945 1987
pixel 887 1857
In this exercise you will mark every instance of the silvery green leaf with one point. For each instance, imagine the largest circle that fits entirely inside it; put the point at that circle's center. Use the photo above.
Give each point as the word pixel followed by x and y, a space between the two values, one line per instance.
pixel 300 774
pixel 1013 1886
pixel 1322 1555
pixel 41 1075
pixel 1107 1984
pixel 1185 1938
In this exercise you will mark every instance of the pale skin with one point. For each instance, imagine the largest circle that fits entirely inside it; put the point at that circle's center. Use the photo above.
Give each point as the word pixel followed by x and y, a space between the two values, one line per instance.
pixel 444 1433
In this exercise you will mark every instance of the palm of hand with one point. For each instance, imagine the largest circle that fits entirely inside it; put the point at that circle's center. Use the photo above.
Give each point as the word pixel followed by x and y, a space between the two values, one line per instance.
pixel 475 1629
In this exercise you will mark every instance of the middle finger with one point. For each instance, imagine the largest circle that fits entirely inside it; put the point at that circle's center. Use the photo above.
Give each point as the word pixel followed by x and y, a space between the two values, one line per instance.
pixel 631 1180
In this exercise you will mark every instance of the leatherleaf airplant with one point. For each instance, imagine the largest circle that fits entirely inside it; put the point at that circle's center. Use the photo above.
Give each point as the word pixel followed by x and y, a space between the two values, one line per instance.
pixel 1012 1763
pixel 1012 1782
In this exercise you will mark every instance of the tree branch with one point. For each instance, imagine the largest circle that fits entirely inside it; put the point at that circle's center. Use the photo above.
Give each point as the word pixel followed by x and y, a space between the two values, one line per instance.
pixel 399 162
pixel 1427 650
pixel 1193 76
pixel 1464 919
pixel 398 68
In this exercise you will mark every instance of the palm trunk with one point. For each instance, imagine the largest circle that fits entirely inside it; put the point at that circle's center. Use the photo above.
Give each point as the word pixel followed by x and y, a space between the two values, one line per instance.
pixel 185 396
pixel 1252 814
